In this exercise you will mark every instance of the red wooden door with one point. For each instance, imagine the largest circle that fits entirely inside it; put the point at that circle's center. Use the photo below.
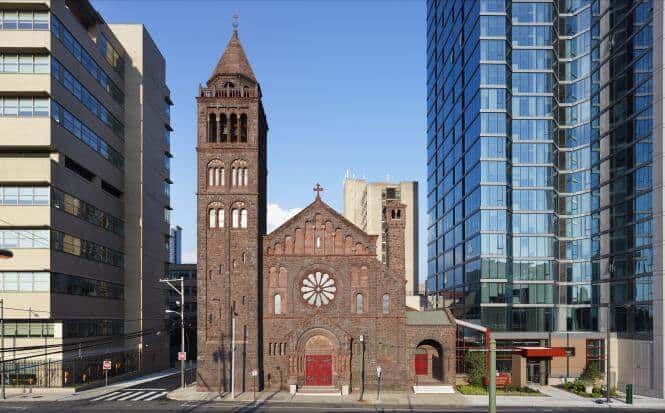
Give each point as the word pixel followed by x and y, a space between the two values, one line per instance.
pixel 318 370
pixel 421 364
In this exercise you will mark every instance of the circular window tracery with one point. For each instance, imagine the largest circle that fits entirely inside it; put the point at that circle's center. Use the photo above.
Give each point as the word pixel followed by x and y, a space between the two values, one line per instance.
pixel 318 289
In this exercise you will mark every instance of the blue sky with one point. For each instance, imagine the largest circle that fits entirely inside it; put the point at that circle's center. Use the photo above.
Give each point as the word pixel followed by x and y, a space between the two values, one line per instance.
pixel 343 84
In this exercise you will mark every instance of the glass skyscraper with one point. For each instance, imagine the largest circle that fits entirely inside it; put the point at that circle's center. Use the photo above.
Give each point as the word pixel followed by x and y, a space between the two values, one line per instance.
pixel 544 186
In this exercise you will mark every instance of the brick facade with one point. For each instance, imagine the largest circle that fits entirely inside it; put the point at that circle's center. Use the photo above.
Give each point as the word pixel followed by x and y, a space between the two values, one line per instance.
pixel 303 295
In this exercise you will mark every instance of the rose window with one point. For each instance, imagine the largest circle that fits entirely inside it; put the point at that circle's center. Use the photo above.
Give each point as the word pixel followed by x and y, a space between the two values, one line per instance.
pixel 318 289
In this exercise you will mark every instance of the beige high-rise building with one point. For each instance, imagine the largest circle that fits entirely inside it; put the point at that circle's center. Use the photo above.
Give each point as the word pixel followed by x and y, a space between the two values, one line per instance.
pixel 84 193
pixel 363 205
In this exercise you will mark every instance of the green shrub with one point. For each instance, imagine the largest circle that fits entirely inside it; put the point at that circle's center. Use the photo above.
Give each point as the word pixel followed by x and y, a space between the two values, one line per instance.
pixel 591 373
pixel 475 368
pixel 578 386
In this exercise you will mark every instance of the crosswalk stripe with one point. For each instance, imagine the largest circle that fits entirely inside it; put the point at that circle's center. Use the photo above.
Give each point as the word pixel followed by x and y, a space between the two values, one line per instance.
pixel 129 395
pixel 156 396
pixel 143 396
pixel 143 389
pixel 102 397
pixel 113 397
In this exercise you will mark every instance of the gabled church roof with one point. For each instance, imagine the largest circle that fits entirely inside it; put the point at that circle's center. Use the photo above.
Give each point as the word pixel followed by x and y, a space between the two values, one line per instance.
pixel 318 205
pixel 234 60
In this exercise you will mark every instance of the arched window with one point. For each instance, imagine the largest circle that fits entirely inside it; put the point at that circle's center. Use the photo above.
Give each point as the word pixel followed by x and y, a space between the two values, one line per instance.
pixel 211 176
pixel 220 176
pixel 211 219
pixel 245 176
pixel 243 128
pixel 386 303
pixel 235 218
pixel 243 218
pixel 360 304
pixel 220 218
pixel 234 128
pixel 223 134
pixel 278 304
pixel 212 128
pixel 234 176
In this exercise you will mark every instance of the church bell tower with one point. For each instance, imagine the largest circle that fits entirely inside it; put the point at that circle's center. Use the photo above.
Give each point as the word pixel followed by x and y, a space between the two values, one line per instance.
pixel 231 222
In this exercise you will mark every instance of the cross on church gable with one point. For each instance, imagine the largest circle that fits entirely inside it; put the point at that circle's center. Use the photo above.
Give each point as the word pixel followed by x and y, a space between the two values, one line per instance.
pixel 318 189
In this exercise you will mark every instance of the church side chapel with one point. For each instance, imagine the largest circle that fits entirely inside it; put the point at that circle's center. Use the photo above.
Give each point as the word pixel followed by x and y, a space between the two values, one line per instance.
pixel 308 306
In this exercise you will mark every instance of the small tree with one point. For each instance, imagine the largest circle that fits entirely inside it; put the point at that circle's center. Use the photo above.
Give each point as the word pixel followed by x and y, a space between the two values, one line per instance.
pixel 475 367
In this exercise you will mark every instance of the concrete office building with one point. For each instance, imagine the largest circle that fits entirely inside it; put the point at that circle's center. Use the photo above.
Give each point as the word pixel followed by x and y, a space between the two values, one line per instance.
pixel 175 245
pixel 363 205
pixel 545 197
pixel 84 192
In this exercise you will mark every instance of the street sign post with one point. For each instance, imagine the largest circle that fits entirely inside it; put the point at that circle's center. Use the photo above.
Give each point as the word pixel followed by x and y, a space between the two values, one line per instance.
pixel 254 373
pixel 106 366
pixel 378 382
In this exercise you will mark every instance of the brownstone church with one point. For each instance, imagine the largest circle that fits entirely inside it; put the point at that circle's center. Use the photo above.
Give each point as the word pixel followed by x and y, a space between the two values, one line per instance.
pixel 308 304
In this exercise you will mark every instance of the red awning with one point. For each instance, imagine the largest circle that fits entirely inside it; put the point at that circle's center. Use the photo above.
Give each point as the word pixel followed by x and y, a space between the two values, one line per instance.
pixel 542 352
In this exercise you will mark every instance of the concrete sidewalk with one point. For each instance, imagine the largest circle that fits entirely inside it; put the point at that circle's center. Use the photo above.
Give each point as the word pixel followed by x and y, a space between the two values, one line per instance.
pixel 555 397
pixel 388 398
pixel 552 397
pixel 67 394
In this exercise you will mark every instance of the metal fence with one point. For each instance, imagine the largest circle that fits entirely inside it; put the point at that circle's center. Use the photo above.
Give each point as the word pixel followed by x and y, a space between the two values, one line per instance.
pixel 44 372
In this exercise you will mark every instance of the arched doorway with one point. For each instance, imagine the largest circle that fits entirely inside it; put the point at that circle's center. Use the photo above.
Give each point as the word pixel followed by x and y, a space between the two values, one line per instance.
pixel 428 361
pixel 318 361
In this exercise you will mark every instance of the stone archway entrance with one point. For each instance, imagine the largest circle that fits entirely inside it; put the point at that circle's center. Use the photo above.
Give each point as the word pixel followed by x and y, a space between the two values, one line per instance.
pixel 318 361
pixel 428 361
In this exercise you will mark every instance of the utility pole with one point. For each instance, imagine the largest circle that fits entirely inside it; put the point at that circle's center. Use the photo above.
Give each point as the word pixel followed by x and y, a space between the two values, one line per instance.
pixel 2 338
pixel 180 291
pixel 492 378
pixel 4 255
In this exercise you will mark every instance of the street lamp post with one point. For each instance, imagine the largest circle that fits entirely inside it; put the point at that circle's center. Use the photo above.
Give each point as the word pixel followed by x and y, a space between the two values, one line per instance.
pixel 180 291
pixel 362 367
pixel 492 378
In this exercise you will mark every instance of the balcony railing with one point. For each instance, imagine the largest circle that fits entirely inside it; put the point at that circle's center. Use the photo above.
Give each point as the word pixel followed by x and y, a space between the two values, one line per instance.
pixel 227 93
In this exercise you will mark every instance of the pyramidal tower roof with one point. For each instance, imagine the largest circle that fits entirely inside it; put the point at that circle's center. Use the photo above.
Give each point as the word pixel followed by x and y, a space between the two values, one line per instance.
pixel 234 60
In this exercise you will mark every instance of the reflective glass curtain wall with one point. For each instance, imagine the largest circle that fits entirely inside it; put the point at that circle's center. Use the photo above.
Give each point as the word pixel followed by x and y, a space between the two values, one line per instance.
pixel 527 104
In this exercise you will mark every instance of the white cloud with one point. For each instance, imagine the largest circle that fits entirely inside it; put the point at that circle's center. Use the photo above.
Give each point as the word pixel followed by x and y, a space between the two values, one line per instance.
pixel 189 257
pixel 277 216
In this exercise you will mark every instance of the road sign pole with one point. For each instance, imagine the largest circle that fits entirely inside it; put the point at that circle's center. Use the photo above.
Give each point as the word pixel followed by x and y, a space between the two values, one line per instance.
pixel 106 366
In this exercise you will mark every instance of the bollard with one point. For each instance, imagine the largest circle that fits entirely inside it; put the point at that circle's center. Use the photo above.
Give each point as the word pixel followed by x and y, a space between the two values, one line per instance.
pixel 629 394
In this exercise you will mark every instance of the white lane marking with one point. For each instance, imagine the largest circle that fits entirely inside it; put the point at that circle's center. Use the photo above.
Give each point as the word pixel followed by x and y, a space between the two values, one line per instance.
pixel 143 396
pixel 156 396
pixel 128 395
pixel 104 396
